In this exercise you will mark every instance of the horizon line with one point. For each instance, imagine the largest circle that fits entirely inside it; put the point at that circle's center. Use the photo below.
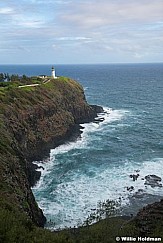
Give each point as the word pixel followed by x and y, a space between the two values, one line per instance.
pixel 105 63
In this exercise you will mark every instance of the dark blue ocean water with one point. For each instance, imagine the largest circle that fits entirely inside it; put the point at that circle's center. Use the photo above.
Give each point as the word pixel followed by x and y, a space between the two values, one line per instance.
pixel 97 166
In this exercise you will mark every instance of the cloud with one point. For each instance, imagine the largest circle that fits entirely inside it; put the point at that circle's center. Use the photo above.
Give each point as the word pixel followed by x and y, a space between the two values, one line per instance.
pixel 94 14
pixel 105 28
pixel 27 21
pixel 73 38
pixel 6 10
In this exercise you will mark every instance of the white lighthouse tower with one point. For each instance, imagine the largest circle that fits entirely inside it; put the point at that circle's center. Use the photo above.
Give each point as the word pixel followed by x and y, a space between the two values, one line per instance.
pixel 53 72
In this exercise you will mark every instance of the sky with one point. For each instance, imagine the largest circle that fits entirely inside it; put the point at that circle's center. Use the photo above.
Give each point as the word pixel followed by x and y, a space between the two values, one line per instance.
pixel 81 31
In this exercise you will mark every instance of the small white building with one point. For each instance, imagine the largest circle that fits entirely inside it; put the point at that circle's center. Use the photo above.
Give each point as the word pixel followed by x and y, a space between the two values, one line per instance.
pixel 53 72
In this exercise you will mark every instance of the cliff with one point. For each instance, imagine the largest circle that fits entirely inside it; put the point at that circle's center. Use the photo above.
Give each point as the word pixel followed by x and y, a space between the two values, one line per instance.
pixel 149 220
pixel 34 119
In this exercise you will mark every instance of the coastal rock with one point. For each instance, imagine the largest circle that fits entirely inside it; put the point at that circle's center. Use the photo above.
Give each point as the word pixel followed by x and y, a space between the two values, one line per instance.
pixel 134 177
pixel 97 109
pixel 99 119
pixel 148 218
pixel 153 181
pixel 130 189
pixel 139 194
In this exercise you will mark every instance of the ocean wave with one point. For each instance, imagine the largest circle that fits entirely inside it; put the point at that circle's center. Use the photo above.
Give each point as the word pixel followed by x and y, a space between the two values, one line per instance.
pixel 75 199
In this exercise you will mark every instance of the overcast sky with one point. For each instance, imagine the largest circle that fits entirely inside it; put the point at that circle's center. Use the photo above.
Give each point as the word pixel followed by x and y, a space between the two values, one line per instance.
pixel 80 31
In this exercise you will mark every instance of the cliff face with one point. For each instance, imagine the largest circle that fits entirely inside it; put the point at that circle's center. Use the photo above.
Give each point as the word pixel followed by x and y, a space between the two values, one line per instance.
pixel 150 219
pixel 33 120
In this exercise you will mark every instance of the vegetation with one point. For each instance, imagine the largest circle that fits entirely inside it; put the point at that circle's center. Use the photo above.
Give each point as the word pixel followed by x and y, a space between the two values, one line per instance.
pixel 16 228
pixel 105 209
pixel 16 80
pixel 4 77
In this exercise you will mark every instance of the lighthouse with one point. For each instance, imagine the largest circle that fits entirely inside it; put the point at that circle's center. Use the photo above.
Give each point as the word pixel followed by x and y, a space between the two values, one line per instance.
pixel 53 72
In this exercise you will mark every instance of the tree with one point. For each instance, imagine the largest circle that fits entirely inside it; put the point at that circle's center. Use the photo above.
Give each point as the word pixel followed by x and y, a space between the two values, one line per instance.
pixel 14 77
pixel 1 77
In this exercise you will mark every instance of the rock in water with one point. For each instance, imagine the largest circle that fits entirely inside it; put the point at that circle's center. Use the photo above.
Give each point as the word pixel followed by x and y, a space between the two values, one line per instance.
pixel 153 181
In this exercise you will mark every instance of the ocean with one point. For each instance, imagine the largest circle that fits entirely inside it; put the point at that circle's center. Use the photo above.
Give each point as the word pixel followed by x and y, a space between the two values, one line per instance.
pixel 97 166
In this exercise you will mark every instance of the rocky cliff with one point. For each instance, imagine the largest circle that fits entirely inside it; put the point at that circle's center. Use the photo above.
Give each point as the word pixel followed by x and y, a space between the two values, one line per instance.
pixel 149 220
pixel 33 120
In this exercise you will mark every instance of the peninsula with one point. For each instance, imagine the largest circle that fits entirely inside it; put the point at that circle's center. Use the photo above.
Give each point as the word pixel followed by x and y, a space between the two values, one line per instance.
pixel 38 114
pixel 35 115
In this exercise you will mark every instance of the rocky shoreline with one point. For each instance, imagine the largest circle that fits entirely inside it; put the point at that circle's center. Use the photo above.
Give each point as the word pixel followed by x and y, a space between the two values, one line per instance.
pixel 144 207
pixel 34 120
pixel 72 134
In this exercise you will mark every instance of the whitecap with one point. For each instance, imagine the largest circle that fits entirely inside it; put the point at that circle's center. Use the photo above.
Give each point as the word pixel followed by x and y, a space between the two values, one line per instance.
pixel 77 197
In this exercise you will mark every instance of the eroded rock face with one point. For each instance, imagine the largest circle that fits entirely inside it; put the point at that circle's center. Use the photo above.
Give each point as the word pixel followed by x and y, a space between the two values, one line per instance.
pixel 149 218
pixel 34 121
pixel 48 118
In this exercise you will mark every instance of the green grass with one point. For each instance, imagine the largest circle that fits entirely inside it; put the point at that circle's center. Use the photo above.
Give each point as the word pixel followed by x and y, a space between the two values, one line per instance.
pixel 15 228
